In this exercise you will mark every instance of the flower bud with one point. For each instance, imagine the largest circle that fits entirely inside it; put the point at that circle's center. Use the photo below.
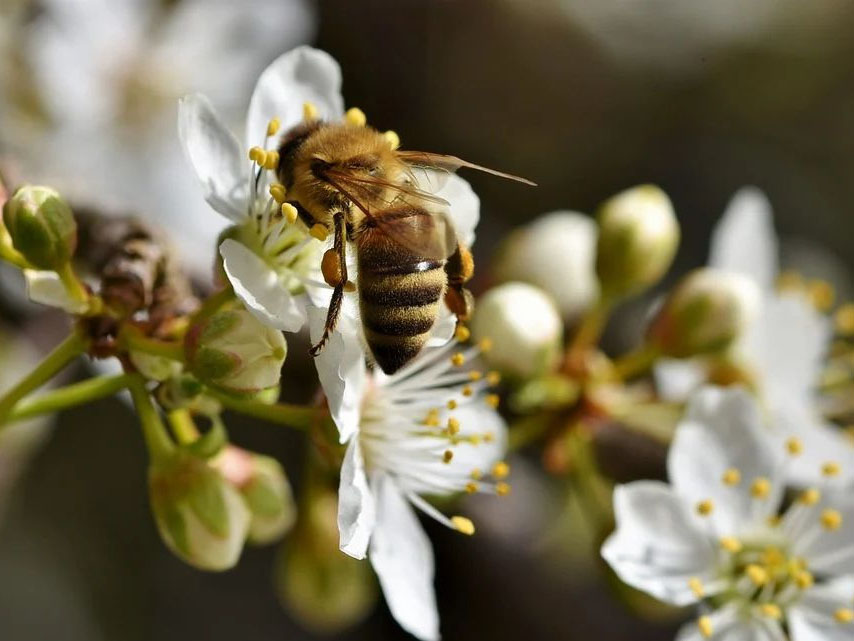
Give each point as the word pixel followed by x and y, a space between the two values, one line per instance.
pixel 557 253
pixel 233 351
pixel 525 329
pixel 41 226
pixel 265 488
pixel 326 590
pixel 706 311
pixel 201 517
pixel 638 237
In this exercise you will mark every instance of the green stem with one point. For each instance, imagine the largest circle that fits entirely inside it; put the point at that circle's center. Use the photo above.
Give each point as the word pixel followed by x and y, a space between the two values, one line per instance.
pixel 62 354
pixel 73 286
pixel 136 341
pixel 636 362
pixel 298 417
pixel 160 446
pixel 591 327
pixel 213 303
pixel 183 426
pixel 9 254
pixel 69 396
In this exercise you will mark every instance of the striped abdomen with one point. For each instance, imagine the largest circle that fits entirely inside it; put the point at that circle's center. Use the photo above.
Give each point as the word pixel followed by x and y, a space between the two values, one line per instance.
pixel 399 294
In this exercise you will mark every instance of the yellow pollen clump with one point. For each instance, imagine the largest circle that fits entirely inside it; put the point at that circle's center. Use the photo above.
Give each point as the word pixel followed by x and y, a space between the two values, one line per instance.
pixel 810 496
pixel 773 557
pixel 804 579
pixel 453 426
pixel 821 294
pixel 392 139
pixel 457 360
pixel 448 456
pixel 355 117
pixel 794 446
pixel 844 615
pixel 463 524
pixel 704 623
pixel 452 404
pixel 475 375
pixel 771 610
pixel 731 477
pixel 273 126
pixel 493 378
pixel 319 231
pixel 432 418
pixel 760 488
pixel 474 439
pixel 271 159
pixel 731 544
pixel 501 470
pixel 290 212
pixel 831 520
pixel 471 487
pixel 844 319
pixel 696 587
pixel 488 437
pixel 831 468
pixel 277 191
pixel 309 111
pixel 492 400
pixel 467 391
pixel 257 155
pixel 502 489
pixel 485 344
pixel 757 574
pixel 476 474
pixel 462 333
pixel 704 508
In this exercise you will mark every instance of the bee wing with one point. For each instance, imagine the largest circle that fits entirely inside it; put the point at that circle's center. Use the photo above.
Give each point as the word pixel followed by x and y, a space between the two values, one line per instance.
pixel 427 160
pixel 362 187
pixel 427 234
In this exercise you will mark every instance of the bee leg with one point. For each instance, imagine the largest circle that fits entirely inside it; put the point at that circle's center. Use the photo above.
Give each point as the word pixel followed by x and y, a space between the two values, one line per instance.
pixel 459 268
pixel 334 268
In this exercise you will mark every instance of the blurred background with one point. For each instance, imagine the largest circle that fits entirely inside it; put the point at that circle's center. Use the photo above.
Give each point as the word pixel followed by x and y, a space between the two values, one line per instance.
pixel 586 97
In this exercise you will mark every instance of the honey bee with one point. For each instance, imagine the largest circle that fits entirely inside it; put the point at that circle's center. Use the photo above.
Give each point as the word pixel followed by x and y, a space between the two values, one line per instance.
pixel 352 181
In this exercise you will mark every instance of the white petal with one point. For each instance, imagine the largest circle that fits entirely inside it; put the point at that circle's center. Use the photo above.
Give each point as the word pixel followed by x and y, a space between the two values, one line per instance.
pixel 259 287
pixel 215 155
pixel 47 289
pixel 744 240
pixel 464 207
pixel 444 328
pixel 722 429
pixel 403 560
pixel 294 78
pixel 657 548
pixel 676 380
pixel 822 443
pixel 341 370
pixel 356 510
pixel 828 552
pixel 812 618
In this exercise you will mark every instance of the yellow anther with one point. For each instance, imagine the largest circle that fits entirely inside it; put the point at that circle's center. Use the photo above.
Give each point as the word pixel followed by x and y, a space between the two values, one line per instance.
pixel 273 126
pixel 804 579
pixel 844 615
pixel 760 488
pixel 810 496
pixel 772 557
pixel 453 426
pixel 488 437
pixel 704 623
pixel 290 212
pixel 474 439
pixel 471 487
pixel 831 519
pixel 462 333
pixel 271 160
pixel 844 319
pixel 277 191
pixel 463 524
pixel 757 574
pixel 493 378
pixel 485 344
pixel 771 610
pixel 448 456
pixel 475 375
pixel 452 404
pixel 458 359
pixel 794 446
pixel 493 400
pixel 696 587
pixel 502 488
pixel 821 294
pixel 731 544
pixel 501 470
pixel 790 281
pixel 257 155
pixel 476 474
pixel 467 390
pixel 355 117
pixel 309 111
pixel 704 508
pixel 731 477
pixel 392 139
pixel 319 231
pixel 831 468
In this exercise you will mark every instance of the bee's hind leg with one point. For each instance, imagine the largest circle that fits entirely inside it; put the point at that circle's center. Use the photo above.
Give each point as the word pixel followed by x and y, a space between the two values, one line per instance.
pixel 459 268
pixel 334 268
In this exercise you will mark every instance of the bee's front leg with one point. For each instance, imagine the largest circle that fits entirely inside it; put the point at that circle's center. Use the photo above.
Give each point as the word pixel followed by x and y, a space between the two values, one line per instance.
pixel 460 268
pixel 334 269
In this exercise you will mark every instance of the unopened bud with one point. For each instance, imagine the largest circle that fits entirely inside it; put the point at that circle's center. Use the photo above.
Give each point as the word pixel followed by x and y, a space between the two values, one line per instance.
pixel 706 311
pixel 638 237
pixel 265 488
pixel 233 351
pixel 41 226
pixel 201 517
pixel 557 253
pixel 524 327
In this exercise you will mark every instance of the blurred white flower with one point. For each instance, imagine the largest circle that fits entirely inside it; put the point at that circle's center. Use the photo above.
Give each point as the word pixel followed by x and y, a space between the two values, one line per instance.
pixel 784 348
pixel 108 74
pixel 431 428
pixel 714 536
pixel 557 253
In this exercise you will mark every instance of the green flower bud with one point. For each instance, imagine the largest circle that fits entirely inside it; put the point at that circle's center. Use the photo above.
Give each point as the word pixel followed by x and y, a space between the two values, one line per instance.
pixel 323 588
pixel 41 226
pixel 525 329
pixel 638 237
pixel 233 351
pixel 265 488
pixel 706 312
pixel 201 517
